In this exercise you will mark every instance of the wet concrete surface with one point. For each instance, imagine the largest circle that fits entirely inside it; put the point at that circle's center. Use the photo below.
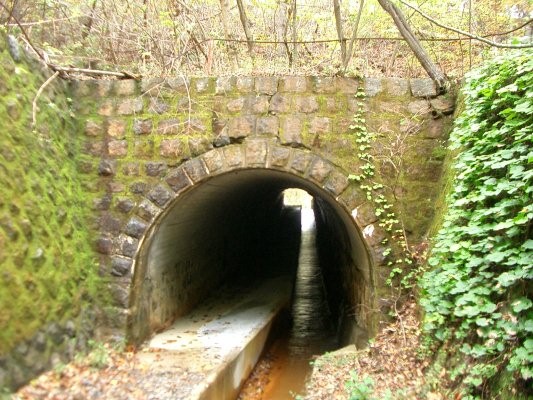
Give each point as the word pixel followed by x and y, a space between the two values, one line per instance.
pixel 212 350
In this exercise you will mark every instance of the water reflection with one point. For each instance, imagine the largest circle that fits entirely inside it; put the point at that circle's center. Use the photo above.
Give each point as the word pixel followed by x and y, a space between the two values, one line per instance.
pixel 311 320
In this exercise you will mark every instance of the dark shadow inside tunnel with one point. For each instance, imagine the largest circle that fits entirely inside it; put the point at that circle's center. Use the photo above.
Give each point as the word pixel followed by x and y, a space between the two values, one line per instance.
pixel 235 227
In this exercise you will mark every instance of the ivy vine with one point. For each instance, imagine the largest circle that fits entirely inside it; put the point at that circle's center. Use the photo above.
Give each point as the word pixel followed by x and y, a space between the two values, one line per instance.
pixel 374 190
pixel 477 295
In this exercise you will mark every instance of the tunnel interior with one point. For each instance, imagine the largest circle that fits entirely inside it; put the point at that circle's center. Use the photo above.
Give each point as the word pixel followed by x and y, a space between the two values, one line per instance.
pixel 235 227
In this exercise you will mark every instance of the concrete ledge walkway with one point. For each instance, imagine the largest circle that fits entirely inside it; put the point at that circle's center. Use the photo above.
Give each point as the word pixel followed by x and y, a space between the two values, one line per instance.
pixel 213 349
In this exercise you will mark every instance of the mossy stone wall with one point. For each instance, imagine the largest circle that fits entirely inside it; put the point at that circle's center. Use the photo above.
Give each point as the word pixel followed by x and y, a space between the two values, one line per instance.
pixel 48 273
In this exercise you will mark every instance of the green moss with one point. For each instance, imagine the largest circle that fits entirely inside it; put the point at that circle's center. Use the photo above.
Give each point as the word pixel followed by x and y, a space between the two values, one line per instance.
pixel 46 276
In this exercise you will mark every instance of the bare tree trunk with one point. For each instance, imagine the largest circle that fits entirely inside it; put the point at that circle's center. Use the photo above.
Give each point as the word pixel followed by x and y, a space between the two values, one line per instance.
pixel 224 11
pixel 338 25
pixel 246 26
pixel 294 35
pixel 431 68
pixel 349 54
pixel 281 24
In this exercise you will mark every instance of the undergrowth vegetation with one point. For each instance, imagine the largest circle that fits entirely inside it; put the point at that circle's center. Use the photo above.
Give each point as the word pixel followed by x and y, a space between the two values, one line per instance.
pixel 477 295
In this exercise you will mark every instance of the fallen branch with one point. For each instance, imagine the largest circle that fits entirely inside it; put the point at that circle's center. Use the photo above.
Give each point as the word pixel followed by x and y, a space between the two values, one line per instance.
pixel 38 94
pixel 123 75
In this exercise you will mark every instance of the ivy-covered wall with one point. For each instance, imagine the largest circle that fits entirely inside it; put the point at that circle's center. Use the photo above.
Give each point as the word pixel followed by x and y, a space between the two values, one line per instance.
pixel 478 294
pixel 48 274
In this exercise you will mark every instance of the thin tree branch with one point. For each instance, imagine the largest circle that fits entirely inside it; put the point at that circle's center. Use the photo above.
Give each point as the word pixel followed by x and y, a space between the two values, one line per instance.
pixel 349 54
pixel 478 38
pixel 37 95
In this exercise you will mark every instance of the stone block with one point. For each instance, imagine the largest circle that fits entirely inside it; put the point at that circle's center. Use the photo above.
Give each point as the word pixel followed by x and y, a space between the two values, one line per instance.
pixel 160 195
pixel 199 145
pixel 130 106
pixel 295 84
pixel 352 197
pixel 155 168
pixel 116 128
pixel 94 128
pixel 373 86
pixel 346 85
pixel 324 85
pixel 260 104
pixel 291 131
pixel 157 106
pixel 373 234
pixel 142 126
pixel 319 170
pixel 106 108
pixel 125 87
pixel 179 84
pixel 307 104
pixel 107 167
pixel 268 125
pixel 104 245
pixel 233 156
pixel 280 104
pixel 320 125
pixel 423 87
pixel 103 87
pixel 365 214
pixel 235 105
pixel 266 85
pixel 117 148
pixel 443 105
pixel 195 169
pixel 203 85
pixel 336 183
pixel 125 205
pixel 224 84
pixel 256 152
pixel 396 86
pixel 152 85
pixel 279 156
pixel 109 223
pixel 419 107
pixel 148 210
pixel 102 203
pixel 171 126
pixel 135 227
pixel 244 83
pixel 300 161
pixel 177 179
pixel 121 266
pixel 195 125
pixel 213 160
pixel 171 148
pixel 139 188
pixel 241 127
pixel 120 294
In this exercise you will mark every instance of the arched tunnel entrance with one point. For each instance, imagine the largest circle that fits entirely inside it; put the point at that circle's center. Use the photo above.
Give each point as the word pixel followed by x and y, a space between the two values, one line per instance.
pixel 234 227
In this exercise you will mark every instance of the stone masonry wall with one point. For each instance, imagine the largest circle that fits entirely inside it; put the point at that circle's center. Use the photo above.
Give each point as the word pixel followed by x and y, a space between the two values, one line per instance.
pixel 139 134
pixel 48 275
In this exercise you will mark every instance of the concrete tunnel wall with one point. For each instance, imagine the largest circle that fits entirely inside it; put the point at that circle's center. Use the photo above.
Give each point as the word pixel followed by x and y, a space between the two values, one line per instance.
pixel 233 226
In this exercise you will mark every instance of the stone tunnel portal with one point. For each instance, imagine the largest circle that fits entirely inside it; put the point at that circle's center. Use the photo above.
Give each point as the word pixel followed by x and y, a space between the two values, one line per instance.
pixel 235 227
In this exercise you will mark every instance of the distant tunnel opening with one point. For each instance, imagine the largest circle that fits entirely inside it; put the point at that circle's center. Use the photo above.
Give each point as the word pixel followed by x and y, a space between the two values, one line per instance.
pixel 236 227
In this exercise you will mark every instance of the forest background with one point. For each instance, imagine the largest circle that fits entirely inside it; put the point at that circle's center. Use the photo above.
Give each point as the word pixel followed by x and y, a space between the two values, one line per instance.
pixel 225 37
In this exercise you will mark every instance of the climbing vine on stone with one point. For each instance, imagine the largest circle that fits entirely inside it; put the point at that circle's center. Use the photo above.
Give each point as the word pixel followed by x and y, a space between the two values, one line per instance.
pixel 477 296
pixel 388 220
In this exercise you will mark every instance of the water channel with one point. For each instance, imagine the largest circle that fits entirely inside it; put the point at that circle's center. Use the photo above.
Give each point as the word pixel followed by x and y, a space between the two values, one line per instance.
pixel 306 331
